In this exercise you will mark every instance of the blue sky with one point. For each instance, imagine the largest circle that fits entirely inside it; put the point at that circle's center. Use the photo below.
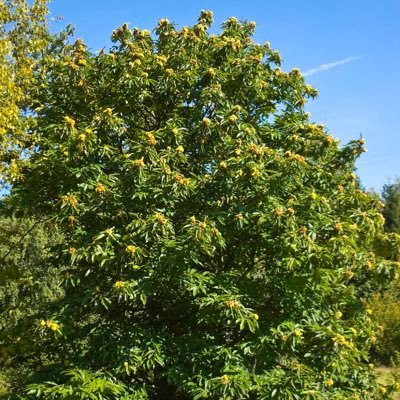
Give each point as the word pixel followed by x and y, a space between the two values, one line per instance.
pixel 348 48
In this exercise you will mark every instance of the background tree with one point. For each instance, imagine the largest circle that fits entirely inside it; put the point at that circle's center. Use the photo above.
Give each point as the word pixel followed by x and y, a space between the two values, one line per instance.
pixel 24 41
pixel 216 244
pixel 391 211
pixel 29 283
pixel 386 304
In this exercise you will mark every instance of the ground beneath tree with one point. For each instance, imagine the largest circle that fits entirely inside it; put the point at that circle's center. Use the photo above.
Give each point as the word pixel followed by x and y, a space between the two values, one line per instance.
pixel 385 375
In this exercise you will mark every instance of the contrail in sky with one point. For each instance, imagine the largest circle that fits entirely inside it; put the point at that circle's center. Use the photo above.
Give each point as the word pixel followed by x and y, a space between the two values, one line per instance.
pixel 325 67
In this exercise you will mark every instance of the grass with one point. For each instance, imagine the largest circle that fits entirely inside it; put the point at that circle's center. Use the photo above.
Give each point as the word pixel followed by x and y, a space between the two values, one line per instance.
pixel 384 376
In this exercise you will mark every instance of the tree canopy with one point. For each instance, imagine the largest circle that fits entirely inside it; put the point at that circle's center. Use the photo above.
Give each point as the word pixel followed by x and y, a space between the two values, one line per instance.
pixel 24 37
pixel 215 242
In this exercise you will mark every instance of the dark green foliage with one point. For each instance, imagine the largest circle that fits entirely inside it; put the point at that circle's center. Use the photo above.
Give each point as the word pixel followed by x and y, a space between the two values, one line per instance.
pixel 29 284
pixel 391 211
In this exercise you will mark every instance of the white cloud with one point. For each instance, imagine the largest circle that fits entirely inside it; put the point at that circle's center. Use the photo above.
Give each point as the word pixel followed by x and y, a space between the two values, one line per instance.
pixel 334 64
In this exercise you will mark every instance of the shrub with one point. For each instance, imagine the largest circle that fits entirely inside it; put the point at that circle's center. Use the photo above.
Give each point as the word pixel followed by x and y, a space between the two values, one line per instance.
pixel 386 313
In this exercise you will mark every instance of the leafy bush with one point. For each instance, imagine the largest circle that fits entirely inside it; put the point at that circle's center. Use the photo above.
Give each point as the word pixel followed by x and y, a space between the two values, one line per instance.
pixel 386 313
pixel 216 245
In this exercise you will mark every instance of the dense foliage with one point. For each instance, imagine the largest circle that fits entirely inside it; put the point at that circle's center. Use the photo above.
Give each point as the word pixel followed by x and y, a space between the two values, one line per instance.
pixel 215 242
pixel 30 283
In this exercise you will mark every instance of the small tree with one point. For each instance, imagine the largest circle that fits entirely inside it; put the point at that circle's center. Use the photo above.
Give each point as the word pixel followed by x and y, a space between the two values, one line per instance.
pixel 216 244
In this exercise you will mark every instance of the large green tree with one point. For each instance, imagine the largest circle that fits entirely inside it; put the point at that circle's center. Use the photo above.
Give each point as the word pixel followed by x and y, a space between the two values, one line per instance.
pixel 216 245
